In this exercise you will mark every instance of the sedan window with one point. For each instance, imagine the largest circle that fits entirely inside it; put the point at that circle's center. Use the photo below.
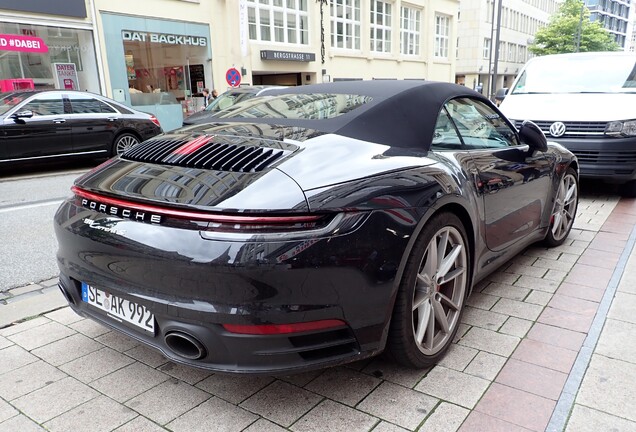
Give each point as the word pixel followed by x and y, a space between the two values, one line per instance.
pixel 479 125
pixel 45 106
pixel 89 106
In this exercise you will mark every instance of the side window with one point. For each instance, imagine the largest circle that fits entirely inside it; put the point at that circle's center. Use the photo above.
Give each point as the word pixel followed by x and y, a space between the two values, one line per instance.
pixel 479 126
pixel 90 106
pixel 445 135
pixel 45 106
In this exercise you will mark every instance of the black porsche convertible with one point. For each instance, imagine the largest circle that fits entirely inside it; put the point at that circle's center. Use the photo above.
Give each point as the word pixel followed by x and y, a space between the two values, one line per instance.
pixel 313 226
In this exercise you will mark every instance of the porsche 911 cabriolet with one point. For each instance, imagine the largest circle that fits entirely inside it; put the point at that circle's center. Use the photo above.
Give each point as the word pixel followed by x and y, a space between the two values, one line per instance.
pixel 313 226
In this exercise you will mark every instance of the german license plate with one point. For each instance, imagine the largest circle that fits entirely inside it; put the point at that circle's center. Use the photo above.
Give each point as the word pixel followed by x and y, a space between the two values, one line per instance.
pixel 119 309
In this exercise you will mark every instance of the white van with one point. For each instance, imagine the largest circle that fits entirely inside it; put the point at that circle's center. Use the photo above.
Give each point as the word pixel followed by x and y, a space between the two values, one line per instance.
pixel 587 103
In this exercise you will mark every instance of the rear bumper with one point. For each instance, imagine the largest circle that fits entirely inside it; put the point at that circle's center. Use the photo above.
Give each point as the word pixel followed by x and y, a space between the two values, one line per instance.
pixel 194 285
pixel 606 158
pixel 229 352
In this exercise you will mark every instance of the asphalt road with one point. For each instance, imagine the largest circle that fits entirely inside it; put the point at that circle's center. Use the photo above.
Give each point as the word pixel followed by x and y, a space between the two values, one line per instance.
pixel 28 201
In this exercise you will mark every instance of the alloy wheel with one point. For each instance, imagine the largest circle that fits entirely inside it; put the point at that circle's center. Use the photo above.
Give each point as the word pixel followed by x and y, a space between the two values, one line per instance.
pixel 125 142
pixel 440 289
pixel 565 207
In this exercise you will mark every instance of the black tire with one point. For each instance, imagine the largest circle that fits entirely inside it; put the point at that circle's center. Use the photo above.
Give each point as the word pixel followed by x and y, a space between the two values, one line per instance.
pixel 438 286
pixel 123 142
pixel 564 212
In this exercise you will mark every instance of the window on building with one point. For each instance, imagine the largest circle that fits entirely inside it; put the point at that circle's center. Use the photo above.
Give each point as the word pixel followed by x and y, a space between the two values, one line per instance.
pixel 283 21
pixel 486 48
pixel 345 24
pixel 410 31
pixel 489 11
pixel 380 26
pixel 512 52
pixel 522 54
pixel 442 31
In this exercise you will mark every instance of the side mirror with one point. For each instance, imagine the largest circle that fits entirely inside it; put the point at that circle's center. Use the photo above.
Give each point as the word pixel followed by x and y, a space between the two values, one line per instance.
pixel 531 134
pixel 22 114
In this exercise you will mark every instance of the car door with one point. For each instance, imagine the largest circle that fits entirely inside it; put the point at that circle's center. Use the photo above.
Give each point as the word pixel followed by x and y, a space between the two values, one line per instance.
pixel 94 124
pixel 512 180
pixel 46 134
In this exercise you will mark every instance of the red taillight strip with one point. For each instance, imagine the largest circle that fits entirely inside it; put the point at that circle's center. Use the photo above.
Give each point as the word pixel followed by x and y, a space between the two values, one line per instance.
pixel 190 215
pixel 155 120
pixel 272 329
pixel 192 145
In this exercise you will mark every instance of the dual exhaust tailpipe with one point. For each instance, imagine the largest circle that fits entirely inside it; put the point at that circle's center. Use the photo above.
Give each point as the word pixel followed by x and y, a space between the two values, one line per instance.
pixel 185 345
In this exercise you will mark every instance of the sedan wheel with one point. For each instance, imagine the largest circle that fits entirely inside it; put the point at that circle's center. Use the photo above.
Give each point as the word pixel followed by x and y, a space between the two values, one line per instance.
pixel 431 297
pixel 564 212
pixel 124 142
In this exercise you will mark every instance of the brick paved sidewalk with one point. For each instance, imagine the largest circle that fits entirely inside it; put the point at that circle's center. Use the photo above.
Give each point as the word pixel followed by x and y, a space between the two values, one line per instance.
pixel 516 352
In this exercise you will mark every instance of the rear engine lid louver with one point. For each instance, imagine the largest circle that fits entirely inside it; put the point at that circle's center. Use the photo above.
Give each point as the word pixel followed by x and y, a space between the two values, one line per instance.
pixel 230 154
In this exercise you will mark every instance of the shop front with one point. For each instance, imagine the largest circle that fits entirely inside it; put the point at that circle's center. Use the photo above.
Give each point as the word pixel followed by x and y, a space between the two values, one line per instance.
pixel 158 66
pixel 40 56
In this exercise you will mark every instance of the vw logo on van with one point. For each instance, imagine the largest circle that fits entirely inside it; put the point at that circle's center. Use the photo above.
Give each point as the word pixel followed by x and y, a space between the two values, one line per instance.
pixel 557 129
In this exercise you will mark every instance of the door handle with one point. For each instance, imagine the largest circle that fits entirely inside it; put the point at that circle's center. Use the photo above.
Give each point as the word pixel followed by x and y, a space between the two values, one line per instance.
pixel 112 119
pixel 58 121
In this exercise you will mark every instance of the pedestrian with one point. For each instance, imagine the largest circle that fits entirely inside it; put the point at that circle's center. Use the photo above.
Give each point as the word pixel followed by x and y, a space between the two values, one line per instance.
pixel 215 94
pixel 206 97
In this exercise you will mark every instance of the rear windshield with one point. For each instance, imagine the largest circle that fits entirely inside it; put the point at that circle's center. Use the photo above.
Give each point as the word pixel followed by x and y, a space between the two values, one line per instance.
pixel 296 106
pixel 584 74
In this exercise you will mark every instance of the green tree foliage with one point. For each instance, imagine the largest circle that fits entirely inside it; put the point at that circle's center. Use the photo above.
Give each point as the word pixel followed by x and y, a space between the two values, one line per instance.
pixel 560 35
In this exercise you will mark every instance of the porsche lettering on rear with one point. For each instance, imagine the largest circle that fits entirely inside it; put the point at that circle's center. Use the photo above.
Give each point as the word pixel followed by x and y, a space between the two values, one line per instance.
pixel 122 212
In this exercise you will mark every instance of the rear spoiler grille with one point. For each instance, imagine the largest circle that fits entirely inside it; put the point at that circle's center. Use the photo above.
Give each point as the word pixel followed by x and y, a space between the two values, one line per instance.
pixel 202 152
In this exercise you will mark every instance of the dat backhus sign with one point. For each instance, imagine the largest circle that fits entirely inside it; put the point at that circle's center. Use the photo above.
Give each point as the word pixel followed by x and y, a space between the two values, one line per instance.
pixel 170 39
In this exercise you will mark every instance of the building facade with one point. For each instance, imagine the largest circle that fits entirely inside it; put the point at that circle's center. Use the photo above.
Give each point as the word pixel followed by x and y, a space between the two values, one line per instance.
pixel 477 39
pixel 158 55
pixel 614 16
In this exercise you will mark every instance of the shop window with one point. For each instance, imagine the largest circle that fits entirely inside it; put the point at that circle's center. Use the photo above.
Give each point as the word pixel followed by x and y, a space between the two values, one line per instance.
pixel 66 46
pixel 165 69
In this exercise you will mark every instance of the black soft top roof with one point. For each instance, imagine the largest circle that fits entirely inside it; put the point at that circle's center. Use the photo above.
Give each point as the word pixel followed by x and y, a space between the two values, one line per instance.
pixel 402 113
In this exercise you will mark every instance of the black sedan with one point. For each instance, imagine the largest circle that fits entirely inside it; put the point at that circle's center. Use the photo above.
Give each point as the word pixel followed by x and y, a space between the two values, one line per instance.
pixel 315 226
pixel 44 125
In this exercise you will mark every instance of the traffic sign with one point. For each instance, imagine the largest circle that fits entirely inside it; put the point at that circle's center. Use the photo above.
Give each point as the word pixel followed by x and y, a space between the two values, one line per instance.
pixel 233 77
